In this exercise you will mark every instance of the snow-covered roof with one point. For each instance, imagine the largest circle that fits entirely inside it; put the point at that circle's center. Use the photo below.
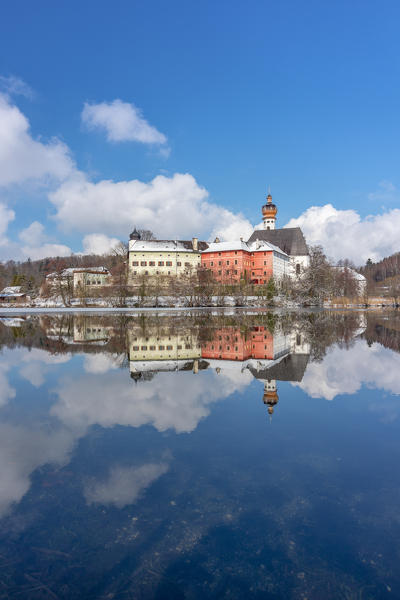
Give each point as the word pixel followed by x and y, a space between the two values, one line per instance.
pixel 71 270
pixel 165 245
pixel 11 290
pixel 354 273
pixel 227 246
pixel 262 245
pixel 255 246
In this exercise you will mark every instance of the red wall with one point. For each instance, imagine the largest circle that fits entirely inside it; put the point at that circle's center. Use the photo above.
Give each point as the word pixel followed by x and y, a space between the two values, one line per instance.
pixel 256 266
pixel 261 266
pixel 228 256
pixel 230 343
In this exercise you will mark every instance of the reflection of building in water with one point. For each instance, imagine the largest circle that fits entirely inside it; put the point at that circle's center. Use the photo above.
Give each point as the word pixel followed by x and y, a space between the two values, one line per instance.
pixel 270 357
pixel 90 330
pixel 151 352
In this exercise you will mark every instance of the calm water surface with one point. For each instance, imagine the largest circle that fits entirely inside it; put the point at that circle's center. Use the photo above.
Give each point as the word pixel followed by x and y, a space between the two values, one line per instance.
pixel 248 456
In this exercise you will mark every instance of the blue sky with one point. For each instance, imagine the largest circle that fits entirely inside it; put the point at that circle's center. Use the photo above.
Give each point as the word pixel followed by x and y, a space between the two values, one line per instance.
pixel 303 96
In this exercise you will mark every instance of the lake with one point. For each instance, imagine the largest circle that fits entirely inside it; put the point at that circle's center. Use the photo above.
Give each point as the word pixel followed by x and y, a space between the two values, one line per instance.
pixel 200 455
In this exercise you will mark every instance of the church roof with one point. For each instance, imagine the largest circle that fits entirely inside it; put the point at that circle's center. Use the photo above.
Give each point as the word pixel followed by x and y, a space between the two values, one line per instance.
pixel 291 368
pixel 166 245
pixel 290 240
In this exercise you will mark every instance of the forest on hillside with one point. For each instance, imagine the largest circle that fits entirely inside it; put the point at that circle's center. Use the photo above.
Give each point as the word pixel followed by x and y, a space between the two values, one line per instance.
pixel 376 273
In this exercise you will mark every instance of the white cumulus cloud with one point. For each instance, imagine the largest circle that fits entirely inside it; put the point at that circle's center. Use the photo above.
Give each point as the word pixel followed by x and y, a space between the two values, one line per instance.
pixel 121 122
pixel 24 158
pixel 36 244
pixel 172 207
pixel 344 234
pixel 6 216
pixel 98 243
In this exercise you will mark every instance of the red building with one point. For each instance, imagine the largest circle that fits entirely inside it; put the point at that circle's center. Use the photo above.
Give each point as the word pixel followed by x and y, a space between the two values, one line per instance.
pixel 231 262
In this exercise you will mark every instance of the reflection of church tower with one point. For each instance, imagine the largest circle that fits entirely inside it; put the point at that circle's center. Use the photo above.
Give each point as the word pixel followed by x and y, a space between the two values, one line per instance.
pixel 270 397
pixel 269 211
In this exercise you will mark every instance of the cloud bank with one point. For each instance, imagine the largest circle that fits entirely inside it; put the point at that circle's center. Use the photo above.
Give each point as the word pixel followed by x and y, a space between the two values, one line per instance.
pixel 344 234
pixel 172 207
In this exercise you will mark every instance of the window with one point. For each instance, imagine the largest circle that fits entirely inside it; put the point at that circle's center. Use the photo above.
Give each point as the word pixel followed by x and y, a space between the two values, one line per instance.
pixel 236 349
pixel 253 273
pixel 169 272
pixel 227 262
pixel 161 347
pixel 211 264
pixel 298 269
pixel 265 262
pixel 235 252
pixel 143 348
pixel 152 263
pixel 219 263
pixel 143 263
pixel 178 264
pixel 146 272
pixel 98 282
pixel 188 347
pixel 227 271
pixel 265 272
pixel 187 264
pixel 236 261
pixel 152 348
pixel 235 272
pixel 135 263
pixel 135 272
pixel 179 347
pixel 219 253
pixel 219 272
pixel 168 263
pixel 160 263
pixel 135 348
pixel 169 347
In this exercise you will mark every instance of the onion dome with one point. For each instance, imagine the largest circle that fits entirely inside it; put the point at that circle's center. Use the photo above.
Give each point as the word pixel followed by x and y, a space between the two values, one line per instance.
pixel 135 235
pixel 270 399
pixel 269 209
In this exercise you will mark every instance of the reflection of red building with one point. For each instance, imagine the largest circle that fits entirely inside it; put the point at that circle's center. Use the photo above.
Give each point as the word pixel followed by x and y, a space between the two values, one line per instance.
pixel 230 343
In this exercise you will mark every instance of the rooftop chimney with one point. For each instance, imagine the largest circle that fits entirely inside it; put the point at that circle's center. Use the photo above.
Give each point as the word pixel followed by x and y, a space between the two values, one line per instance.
pixel 216 241
pixel 195 244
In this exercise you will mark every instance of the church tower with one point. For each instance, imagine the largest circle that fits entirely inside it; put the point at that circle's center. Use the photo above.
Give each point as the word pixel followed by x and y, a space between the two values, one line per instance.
pixel 270 397
pixel 269 211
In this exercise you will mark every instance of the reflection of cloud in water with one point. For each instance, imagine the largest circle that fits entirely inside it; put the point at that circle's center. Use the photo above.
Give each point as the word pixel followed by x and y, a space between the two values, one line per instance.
pixel 23 450
pixel 345 371
pixel 123 485
pixel 6 391
pixel 102 362
pixel 177 401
